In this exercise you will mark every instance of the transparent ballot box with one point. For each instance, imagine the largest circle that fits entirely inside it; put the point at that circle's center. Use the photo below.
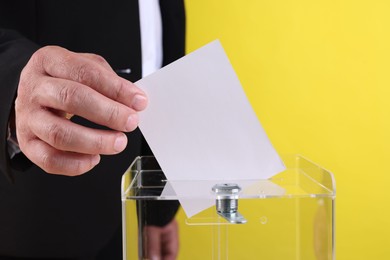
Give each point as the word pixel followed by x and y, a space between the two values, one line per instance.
pixel 289 216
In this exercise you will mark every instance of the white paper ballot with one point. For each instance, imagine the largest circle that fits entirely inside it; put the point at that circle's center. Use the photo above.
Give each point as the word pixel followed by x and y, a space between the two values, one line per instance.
pixel 201 126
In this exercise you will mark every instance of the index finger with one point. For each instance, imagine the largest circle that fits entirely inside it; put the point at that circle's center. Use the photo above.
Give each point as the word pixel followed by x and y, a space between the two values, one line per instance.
pixel 61 63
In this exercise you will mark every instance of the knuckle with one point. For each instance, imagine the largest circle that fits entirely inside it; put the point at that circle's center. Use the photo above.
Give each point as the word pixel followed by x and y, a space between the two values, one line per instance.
pixel 59 136
pixel 112 114
pixel 30 91
pixel 99 59
pixel 98 143
pixel 67 95
pixel 67 57
pixel 47 162
pixel 39 57
pixel 58 165
pixel 29 77
pixel 32 98
pixel 81 73
pixel 25 76
pixel 118 89
pixel 85 74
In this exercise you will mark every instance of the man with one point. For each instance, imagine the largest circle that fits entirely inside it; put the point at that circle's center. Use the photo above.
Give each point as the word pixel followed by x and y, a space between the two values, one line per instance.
pixel 51 61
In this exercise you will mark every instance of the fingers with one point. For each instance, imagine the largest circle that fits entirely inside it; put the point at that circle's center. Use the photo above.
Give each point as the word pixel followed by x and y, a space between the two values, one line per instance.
pixel 97 58
pixel 54 85
pixel 170 241
pixel 153 242
pixel 65 135
pixel 59 162
pixel 75 98
pixel 61 147
pixel 162 242
pixel 92 71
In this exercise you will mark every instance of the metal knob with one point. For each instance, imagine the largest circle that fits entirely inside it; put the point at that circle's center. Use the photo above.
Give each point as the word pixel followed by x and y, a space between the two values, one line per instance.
pixel 227 202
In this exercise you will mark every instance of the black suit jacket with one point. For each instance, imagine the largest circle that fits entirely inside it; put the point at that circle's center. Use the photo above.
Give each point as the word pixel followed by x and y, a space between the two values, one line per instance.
pixel 44 215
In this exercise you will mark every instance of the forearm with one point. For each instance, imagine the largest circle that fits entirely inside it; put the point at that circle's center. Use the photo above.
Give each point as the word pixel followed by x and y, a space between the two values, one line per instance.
pixel 15 51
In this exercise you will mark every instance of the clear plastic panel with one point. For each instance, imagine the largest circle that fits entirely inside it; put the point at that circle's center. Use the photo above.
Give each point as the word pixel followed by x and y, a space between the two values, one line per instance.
pixel 297 223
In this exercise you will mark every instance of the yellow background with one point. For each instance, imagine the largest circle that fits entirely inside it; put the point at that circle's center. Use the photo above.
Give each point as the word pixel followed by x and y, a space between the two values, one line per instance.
pixel 318 76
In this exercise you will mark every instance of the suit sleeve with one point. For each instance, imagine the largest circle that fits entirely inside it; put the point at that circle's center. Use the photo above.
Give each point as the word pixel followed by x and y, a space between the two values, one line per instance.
pixel 15 51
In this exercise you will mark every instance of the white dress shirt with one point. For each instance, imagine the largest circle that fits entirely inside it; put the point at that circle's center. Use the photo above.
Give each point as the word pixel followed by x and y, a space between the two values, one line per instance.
pixel 151 35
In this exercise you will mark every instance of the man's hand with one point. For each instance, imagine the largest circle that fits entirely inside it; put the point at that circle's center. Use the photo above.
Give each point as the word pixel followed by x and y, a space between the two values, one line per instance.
pixel 162 243
pixel 55 83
